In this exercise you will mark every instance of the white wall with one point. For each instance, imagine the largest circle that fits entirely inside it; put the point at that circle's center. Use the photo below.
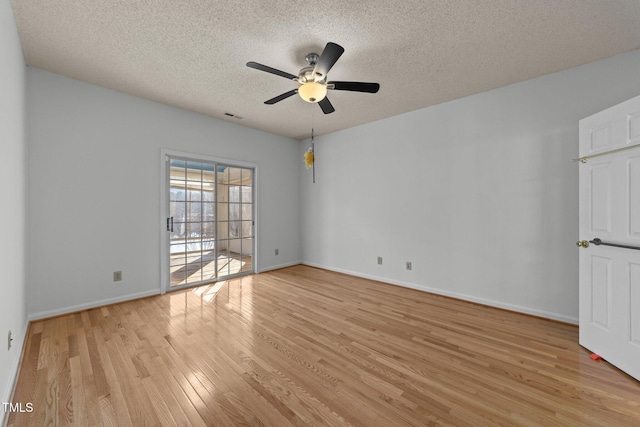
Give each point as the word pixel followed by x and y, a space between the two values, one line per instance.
pixel 95 189
pixel 13 208
pixel 480 193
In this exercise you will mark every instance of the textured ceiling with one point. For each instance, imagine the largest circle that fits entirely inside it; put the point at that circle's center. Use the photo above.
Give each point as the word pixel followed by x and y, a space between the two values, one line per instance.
pixel 192 53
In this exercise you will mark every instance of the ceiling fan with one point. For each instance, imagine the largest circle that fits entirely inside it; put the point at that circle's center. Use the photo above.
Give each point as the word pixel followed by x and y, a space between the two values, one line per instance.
pixel 313 79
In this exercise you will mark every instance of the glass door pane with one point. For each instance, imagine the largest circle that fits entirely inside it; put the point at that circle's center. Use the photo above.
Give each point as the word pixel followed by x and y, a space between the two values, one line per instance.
pixel 235 220
pixel 211 221
pixel 191 199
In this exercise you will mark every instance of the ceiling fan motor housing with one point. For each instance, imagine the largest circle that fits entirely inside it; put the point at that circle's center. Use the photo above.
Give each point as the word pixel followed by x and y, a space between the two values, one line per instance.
pixel 312 59
pixel 313 85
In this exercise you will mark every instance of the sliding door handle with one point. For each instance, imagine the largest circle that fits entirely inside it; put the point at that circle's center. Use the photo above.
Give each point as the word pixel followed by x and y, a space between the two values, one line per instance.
pixel 170 224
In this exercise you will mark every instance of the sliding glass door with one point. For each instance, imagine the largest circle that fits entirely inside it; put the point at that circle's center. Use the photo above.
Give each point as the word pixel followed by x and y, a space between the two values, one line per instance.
pixel 235 220
pixel 210 221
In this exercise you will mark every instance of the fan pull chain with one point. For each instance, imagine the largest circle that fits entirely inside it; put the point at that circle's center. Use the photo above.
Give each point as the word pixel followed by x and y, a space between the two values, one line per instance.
pixel 313 152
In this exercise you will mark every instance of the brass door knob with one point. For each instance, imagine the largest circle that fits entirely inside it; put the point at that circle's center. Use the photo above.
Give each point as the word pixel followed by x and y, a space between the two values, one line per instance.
pixel 583 243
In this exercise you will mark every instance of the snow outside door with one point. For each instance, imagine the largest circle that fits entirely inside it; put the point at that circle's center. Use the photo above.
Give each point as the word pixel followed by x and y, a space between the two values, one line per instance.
pixel 609 210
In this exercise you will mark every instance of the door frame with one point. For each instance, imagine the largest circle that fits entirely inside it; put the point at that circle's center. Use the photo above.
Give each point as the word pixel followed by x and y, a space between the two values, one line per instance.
pixel 164 206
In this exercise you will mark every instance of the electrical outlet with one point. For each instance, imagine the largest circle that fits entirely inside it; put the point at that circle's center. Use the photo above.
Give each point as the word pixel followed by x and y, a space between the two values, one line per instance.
pixel 9 339
pixel 277 251
pixel 117 276
pixel 408 265
pixel 379 260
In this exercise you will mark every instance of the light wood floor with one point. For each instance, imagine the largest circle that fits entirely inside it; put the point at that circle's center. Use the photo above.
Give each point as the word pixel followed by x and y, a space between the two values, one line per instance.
pixel 302 346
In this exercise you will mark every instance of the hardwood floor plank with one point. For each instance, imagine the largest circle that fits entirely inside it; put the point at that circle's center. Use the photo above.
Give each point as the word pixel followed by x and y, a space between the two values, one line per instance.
pixel 304 346
pixel 189 385
pixel 78 392
pixel 114 399
pixel 65 393
pixel 185 404
pixel 137 400
pixel 164 393
pixel 159 406
pixel 213 369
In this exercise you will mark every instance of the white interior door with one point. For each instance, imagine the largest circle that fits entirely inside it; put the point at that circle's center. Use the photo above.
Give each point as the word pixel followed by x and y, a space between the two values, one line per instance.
pixel 609 180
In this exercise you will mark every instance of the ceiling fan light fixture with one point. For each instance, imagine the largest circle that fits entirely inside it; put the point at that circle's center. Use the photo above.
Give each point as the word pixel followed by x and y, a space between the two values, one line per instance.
pixel 312 92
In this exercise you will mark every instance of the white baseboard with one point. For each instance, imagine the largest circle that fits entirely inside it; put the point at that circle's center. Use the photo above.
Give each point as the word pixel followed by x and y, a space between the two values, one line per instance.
pixel 465 297
pixel 277 267
pixel 74 308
